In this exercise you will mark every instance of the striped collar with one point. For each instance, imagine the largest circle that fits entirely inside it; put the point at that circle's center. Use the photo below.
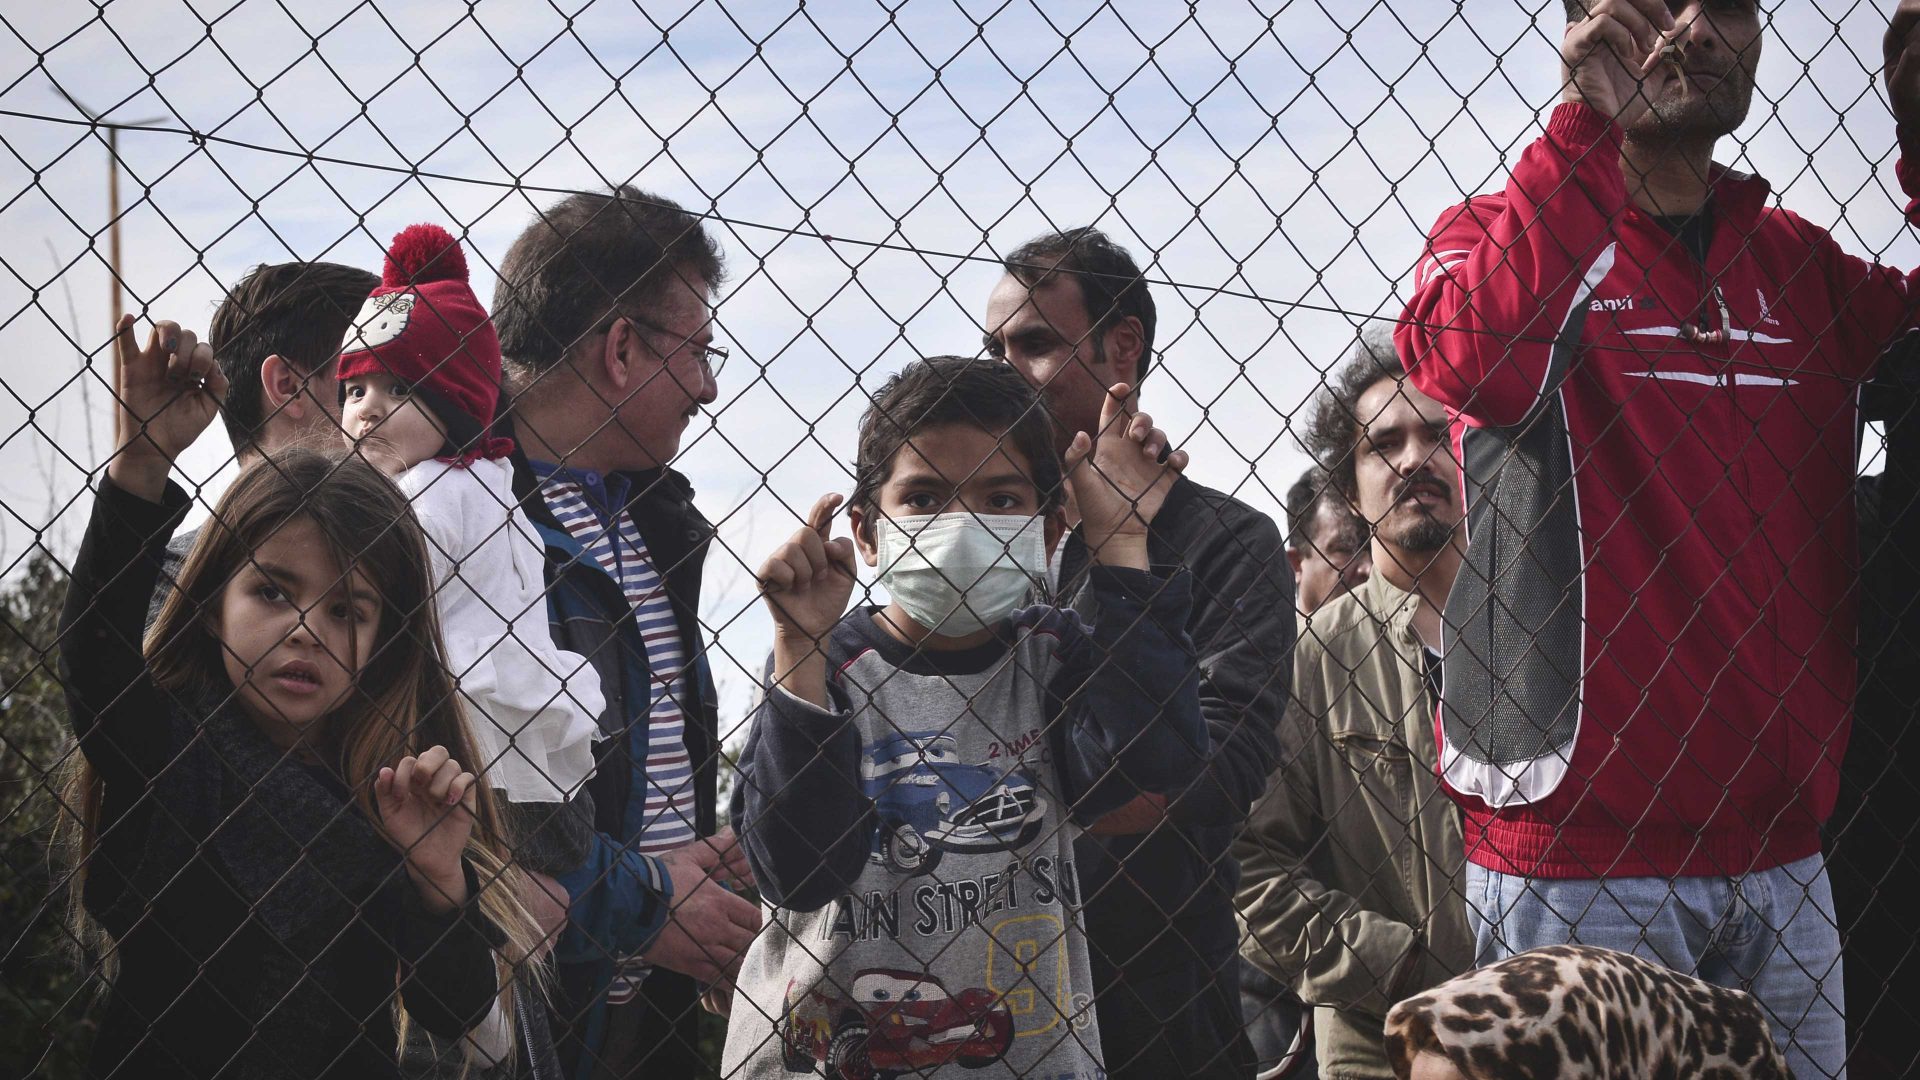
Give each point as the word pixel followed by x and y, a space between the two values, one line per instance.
pixel 606 494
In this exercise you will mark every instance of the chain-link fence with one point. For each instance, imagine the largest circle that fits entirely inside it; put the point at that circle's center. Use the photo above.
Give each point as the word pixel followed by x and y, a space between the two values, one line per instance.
pixel 1539 568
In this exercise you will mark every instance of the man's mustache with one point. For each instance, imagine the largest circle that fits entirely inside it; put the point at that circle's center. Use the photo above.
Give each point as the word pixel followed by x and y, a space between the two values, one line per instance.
pixel 1423 483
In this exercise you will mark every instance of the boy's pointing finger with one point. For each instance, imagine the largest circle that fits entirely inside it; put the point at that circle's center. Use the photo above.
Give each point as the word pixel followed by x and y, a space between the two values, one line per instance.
pixel 820 518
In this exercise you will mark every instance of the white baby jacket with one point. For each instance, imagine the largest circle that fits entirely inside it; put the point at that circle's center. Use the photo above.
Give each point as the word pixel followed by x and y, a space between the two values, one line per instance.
pixel 533 706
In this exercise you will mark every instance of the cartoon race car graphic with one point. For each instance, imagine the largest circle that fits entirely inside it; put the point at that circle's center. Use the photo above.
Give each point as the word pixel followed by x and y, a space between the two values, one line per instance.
pixel 929 803
pixel 891 1022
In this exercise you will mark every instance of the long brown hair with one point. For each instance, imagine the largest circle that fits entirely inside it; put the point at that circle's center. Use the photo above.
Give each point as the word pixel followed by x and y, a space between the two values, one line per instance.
pixel 402 701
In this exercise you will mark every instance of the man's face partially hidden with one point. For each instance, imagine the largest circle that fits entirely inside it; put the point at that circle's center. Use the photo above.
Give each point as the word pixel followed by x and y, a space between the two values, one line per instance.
pixel 1335 560
pixel 1045 334
pixel 1706 87
pixel 1404 472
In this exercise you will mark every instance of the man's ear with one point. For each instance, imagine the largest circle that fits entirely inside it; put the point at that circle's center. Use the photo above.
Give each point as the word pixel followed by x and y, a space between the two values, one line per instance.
pixel 863 536
pixel 1294 559
pixel 280 386
pixel 1124 343
pixel 615 359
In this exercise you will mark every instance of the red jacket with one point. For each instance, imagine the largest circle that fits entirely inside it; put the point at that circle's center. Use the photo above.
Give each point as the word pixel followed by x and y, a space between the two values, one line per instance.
pixel 1649 665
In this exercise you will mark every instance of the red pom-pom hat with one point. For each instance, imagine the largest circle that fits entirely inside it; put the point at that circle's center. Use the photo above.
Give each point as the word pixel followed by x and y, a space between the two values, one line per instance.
pixel 424 325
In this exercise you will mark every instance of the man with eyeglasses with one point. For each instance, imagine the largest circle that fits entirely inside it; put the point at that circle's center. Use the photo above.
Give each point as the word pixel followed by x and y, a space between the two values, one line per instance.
pixel 605 314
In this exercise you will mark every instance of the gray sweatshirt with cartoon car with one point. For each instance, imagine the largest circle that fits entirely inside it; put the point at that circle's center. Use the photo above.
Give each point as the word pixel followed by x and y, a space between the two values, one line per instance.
pixel 915 842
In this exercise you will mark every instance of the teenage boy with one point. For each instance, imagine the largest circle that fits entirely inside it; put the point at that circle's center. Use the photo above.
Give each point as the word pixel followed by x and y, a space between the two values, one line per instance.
pixel 276 338
pixel 914 780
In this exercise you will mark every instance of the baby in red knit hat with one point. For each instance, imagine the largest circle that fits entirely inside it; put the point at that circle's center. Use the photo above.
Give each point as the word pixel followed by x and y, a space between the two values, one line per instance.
pixel 420 379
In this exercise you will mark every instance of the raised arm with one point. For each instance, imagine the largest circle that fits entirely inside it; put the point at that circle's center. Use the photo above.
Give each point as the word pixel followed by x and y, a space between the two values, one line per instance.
pixel 801 813
pixel 1243 627
pixel 118 716
pixel 1505 275
pixel 168 394
pixel 448 964
pixel 1125 702
pixel 448 967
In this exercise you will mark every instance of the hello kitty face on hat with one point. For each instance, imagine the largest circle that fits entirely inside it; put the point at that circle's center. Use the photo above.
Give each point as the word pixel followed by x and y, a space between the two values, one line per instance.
pixel 382 319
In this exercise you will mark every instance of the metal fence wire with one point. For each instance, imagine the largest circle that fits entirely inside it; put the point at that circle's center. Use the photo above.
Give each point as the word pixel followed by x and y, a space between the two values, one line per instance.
pixel 609 540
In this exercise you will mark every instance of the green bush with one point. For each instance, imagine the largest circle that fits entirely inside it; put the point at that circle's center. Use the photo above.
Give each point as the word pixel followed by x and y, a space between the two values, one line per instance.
pixel 45 1028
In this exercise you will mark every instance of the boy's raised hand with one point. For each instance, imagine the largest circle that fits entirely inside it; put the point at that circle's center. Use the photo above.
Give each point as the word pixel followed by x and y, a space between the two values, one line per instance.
pixel 809 579
pixel 426 806
pixel 1119 482
pixel 169 392
pixel 807 583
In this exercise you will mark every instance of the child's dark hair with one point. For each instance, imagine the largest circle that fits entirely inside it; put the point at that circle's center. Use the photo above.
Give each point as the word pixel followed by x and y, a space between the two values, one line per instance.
pixel 368 524
pixel 981 393
pixel 300 311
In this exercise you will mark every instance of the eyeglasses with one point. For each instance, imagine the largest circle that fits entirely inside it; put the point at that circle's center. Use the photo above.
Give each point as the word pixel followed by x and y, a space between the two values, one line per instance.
pixel 712 357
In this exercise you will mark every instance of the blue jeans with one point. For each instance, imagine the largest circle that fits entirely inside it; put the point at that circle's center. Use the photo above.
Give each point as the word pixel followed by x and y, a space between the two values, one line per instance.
pixel 1771 933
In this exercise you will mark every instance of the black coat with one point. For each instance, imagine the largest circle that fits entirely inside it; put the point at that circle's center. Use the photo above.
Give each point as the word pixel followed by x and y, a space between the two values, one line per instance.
pixel 262 924
pixel 1159 906
pixel 1873 861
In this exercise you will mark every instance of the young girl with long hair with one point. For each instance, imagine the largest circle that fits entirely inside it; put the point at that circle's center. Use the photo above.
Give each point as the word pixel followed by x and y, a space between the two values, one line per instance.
pixel 278 849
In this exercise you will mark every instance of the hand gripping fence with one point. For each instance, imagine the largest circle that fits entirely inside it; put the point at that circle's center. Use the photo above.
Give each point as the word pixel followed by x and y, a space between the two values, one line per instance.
pixel 709 611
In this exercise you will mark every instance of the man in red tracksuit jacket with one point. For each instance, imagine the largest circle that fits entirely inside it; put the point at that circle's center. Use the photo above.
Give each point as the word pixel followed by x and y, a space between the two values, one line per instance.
pixel 1653 377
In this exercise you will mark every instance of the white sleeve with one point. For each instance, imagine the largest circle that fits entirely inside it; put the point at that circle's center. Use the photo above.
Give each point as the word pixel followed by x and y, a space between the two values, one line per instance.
pixel 438 502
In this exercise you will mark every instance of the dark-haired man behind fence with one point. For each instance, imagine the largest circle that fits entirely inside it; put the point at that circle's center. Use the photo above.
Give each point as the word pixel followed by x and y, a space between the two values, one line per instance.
pixel 276 336
pixel 604 310
pixel 1075 316
pixel 1352 860
pixel 1654 374
pixel 1326 541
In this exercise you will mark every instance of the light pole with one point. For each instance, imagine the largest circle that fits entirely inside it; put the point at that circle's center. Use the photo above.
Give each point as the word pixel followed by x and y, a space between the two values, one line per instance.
pixel 113 209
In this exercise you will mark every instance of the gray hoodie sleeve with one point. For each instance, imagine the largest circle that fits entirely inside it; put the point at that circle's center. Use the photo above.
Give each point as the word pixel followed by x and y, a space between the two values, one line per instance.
pixel 798 805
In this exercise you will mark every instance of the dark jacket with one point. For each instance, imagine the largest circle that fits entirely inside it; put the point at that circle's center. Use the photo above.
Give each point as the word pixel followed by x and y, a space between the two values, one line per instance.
pixel 259 920
pixel 1871 857
pixel 547 838
pixel 1160 905
pixel 620 897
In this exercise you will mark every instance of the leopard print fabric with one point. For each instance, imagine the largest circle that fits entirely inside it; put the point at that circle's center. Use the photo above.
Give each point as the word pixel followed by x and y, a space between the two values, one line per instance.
pixel 1576 1011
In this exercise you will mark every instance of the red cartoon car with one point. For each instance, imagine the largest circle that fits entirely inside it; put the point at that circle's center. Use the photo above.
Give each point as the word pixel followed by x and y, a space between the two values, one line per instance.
pixel 891 1022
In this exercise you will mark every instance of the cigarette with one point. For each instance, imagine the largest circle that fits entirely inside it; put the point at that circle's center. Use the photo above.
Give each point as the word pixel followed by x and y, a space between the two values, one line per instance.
pixel 1675 56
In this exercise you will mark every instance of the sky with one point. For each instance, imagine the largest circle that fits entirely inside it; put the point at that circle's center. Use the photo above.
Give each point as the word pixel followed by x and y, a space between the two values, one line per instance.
pixel 1275 166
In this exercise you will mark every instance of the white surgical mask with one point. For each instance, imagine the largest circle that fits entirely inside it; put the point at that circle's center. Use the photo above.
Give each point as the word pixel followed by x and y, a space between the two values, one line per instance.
pixel 960 573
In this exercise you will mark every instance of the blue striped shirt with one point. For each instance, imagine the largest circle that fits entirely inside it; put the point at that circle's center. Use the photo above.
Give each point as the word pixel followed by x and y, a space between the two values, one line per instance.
pixel 592 507
pixel 659 815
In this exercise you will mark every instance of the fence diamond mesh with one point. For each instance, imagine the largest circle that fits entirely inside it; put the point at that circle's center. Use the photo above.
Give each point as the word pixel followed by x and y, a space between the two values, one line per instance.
pixel 609 540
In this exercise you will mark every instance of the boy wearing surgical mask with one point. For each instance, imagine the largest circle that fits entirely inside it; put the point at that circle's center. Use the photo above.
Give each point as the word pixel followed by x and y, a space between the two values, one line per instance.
pixel 914 779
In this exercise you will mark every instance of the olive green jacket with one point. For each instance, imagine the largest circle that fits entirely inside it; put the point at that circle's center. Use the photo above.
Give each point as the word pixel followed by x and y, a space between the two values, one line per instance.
pixel 1351 862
